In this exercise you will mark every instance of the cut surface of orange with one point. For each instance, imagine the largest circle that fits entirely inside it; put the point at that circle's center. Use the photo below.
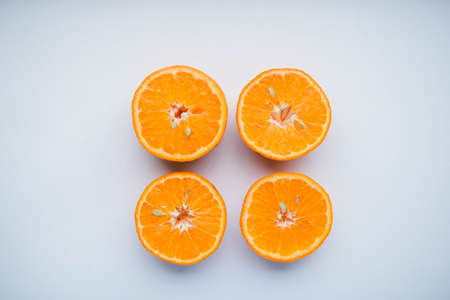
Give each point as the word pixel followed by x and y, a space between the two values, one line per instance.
pixel 179 113
pixel 180 218
pixel 286 216
pixel 283 114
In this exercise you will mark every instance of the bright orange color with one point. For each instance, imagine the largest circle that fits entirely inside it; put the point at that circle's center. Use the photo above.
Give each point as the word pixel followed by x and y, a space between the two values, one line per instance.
pixel 283 114
pixel 286 216
pixel 179 113
pixel 181 218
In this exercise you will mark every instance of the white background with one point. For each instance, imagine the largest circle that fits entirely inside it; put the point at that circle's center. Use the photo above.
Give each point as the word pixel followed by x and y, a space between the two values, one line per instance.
pixel 72 169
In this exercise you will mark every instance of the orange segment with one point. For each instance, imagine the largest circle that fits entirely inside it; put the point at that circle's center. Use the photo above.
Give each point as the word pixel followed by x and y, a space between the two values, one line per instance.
pixel 286 216
pixel 283 114
pixel 180 218
pixel 179 113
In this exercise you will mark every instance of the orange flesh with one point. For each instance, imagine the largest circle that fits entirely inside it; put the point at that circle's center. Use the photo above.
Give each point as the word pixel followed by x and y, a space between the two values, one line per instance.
pixel 286 216
pixel 283 114
pixel 179 113
pixel 181 218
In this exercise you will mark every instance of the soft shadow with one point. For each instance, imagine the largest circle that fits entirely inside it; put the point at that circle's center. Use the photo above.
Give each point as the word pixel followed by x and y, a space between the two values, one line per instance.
pixel 206 161
pixel 202 266
pixel 270 166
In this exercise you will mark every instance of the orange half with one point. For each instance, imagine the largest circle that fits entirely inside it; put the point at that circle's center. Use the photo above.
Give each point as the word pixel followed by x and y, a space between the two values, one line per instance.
pixel 180 218
pixel 286 216
pixel 179 113
pixel 283 114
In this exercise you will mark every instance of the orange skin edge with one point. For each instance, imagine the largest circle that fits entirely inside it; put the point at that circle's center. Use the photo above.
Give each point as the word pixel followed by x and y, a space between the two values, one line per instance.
pixel 262 254
pixel 142 198
pixel 266 155
pixel 210 147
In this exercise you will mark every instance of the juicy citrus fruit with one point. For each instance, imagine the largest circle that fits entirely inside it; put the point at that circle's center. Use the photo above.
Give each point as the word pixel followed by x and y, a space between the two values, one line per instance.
pixel 283 114
pixel 180 218
pixel 286 216
pixel 179 113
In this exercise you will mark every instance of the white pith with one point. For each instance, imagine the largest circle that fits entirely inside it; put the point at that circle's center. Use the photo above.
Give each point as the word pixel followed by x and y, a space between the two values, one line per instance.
pixel 182 225
pixel 277 109
pixel 173 110
pixel 288 219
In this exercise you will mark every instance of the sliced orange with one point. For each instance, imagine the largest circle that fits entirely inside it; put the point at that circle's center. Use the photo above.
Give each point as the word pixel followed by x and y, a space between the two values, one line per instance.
pixel 283 114
pixel 181 218
pixel 286 216
pixel 179 113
